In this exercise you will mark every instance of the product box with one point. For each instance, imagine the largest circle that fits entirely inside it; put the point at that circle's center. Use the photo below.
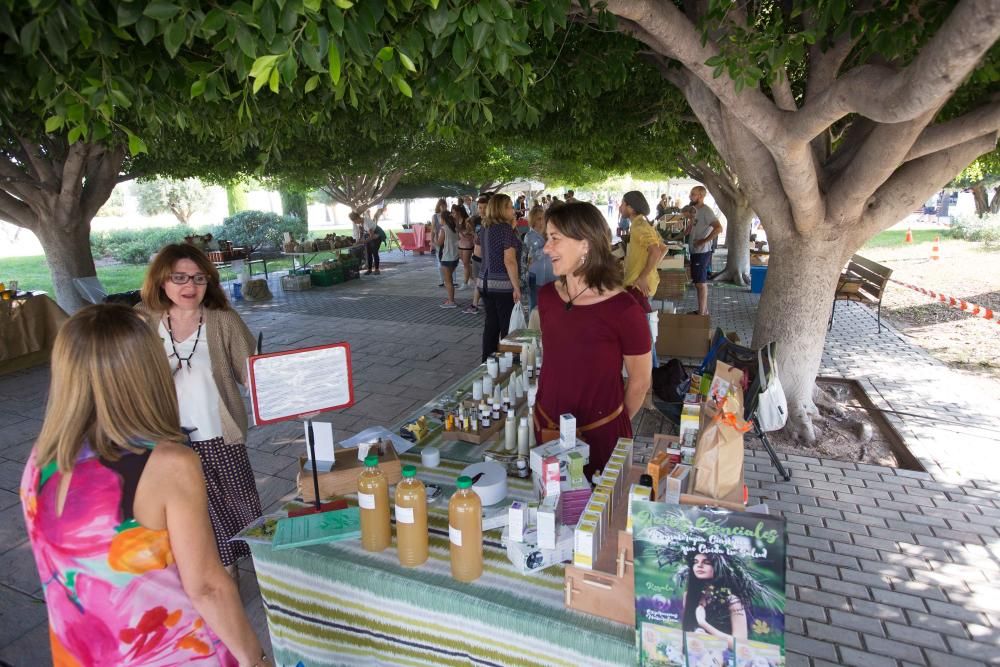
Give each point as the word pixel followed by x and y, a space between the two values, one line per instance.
pixel 586 540
pixel 636 492
pixel 528 556
pixel 567 431
pixel 690 422
pixel 677 483
pixel 548 524
pixel 555 448
pixel 685 336
pixel 494 517
pixel 575 470
pixel 550 477
pixel 658 468
pixel 518 520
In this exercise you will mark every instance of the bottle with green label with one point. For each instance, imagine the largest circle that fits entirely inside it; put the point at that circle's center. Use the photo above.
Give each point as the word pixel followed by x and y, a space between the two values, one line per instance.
pixel 411 519
pixel 373 501
pixel 465 531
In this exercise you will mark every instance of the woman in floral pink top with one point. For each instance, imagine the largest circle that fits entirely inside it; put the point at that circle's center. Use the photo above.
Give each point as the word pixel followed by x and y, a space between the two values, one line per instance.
pixel 116 510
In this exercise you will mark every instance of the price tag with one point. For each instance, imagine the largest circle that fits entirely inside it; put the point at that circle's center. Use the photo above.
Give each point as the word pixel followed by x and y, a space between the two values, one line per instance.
pixel 366 501
pixel 404 514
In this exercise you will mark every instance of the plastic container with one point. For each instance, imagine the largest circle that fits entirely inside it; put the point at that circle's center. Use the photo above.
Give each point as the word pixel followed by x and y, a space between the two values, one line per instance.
pixel 757 276
pixel 465 531
pixel 373 501
pixel 411 519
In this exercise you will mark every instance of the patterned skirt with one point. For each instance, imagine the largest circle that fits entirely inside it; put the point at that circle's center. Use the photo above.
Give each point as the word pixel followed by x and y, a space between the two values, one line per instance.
pixel 232 494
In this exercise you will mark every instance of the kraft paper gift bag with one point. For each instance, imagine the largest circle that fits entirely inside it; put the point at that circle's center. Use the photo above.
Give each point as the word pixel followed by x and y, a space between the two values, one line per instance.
pixel 718 458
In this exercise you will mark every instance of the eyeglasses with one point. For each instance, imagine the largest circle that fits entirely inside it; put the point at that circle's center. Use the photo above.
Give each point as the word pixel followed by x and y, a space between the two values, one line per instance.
pixel 184 278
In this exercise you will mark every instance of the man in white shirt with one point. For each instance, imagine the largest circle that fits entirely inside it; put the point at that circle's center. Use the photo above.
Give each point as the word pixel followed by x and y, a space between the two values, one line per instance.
pixel 701 232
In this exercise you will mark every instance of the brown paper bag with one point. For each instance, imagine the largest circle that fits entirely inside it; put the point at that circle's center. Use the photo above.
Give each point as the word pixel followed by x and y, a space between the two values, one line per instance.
pixel 718 458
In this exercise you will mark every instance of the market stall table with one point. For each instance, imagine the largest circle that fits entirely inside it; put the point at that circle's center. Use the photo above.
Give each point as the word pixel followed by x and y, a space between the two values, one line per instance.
pixel 336 604
pixel 28 328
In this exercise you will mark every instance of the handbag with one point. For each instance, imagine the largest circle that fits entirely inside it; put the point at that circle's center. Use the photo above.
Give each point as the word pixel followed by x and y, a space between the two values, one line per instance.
pixel 772 406
pixel 517 320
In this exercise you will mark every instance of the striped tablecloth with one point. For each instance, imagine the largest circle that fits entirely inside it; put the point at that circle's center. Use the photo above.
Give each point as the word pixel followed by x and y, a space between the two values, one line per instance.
pixel 337 604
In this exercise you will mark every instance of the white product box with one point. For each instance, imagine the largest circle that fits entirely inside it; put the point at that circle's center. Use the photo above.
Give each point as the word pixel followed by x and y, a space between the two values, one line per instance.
pixel 567 431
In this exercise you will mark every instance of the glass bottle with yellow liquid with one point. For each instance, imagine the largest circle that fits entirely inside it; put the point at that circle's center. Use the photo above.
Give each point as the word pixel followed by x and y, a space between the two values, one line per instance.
pixel 373 501
pixel 411 519
pixel 465 530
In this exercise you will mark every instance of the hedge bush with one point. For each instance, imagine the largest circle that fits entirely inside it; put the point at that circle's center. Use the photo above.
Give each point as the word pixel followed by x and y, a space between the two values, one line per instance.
pixel 135 246
pixel 985 229
pixel 261 229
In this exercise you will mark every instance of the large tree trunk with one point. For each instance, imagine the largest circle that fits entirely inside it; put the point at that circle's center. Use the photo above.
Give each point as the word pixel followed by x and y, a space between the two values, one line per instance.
pixel 68 254
pixel 982 199
pixel 738 219
pixel 794 311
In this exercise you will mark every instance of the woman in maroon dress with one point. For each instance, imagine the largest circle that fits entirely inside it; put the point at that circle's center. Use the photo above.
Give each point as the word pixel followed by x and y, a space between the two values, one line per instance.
pixel 590 328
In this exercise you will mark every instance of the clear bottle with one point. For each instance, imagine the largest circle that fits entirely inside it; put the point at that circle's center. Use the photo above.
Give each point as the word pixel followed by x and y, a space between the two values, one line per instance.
pixel 411 519
pixel 373 501
pixel 465 530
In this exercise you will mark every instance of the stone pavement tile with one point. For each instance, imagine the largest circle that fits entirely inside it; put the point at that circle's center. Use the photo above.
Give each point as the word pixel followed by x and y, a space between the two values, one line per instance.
pixel 29 647
pixel 19 613
pixel 268 464
pixel 12 531
pixel 15 434
pixel 8 498
pixel 18 570
pixel 19 453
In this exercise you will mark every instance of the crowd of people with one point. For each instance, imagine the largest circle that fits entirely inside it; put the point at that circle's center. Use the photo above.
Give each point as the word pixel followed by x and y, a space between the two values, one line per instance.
pixel 140 476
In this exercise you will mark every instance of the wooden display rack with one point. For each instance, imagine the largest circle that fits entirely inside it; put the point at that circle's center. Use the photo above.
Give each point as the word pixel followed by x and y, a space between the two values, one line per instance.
pixel 608 590
pixel 343 479
pixel 483 435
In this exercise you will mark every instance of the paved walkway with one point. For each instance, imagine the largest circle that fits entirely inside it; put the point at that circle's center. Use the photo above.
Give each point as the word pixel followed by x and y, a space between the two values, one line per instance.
pixel 886 567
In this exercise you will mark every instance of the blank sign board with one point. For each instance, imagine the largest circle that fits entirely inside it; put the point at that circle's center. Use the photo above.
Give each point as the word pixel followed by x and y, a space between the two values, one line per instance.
pixel 296 383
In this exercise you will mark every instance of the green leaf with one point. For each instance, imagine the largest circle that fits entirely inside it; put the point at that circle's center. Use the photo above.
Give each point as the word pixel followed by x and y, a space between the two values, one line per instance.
pixel 54 123
pixel 75 134
pixel 274 80
pixel 312 83
pixel 479 33
pixel 313 6
pixel 214 21
pixel 437 20
pixel 136 145
pixel 246 43
pixel 385 53
pixel 343 4
pixel 146 29
pixel 261 68
pixel 174 37
pixel 197 88
pixel 128 13
pixel 30 36
pixel 459 51
pixel 336 19
pixel 403 86
pixel 161 10
pixel 716 60
pixel 488 114
pixel 407 63
pixel 333 59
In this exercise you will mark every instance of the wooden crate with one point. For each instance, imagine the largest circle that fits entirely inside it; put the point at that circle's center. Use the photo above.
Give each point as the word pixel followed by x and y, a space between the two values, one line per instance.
pixel 296 283
pixel 343 479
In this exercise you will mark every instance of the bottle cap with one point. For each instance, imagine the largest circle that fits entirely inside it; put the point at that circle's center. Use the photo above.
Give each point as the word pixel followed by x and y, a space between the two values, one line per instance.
pixel 409 471
pixel 463 482
pixel 371 460
pixel 646 480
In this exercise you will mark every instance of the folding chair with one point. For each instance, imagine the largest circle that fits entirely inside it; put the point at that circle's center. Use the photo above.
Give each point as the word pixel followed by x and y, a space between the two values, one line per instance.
pixel 393 239
pixel 747 360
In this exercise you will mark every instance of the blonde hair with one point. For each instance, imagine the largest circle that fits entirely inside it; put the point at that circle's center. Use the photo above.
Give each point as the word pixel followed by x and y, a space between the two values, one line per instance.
pixel 153 294
pixel 495 209
pixel 111 386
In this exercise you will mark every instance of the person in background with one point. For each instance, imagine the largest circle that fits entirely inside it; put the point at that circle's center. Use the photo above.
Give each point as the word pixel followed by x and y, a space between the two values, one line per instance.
pixel 466 243
pixel 440 207
pixel 498 283
pixel 447 244
pixel 570 196
pixel 207 344
pixel 539 266
pixel 470 205
pixel 644 252
pixel 519 205
pixel 590 328
pixel 662 207
pixel 116 512
pixel 476 222
pixel 701 233
pixel 374 238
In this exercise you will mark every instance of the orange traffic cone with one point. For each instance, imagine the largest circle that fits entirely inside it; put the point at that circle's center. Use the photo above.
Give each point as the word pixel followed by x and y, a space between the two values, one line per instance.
pixel 935 251
pixel 909 235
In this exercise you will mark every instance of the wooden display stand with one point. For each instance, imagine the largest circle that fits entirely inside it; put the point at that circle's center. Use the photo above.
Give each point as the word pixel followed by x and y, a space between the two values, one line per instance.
pixel 484 434
pixel 343 479
pixel 608 590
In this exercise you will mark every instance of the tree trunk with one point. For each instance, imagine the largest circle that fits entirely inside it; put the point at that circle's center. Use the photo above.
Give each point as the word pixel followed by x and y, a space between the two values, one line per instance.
pixel 738 219
pixel 981 198
pixel 995 203
pixel 794 311
pixel 68 254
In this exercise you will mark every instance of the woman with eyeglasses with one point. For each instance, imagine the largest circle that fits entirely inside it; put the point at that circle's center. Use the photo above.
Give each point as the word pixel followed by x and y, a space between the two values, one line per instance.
pixel 207 345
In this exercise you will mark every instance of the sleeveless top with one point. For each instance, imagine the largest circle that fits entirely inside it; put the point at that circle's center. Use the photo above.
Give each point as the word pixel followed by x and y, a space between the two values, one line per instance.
pixel 112 589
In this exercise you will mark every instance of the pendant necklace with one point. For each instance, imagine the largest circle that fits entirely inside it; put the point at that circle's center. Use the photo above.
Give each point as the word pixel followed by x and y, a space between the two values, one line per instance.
pixel 569 304
pixel 173 344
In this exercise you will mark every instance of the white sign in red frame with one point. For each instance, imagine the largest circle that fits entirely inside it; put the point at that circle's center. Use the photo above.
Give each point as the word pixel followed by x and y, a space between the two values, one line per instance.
pixel 299 383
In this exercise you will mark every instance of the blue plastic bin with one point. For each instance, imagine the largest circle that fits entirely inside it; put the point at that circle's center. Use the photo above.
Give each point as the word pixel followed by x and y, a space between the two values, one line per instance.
pixel 757 276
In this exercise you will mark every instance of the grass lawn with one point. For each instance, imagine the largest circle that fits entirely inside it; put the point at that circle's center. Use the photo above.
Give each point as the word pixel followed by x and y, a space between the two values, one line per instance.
pixel 32 273
pixel 896 238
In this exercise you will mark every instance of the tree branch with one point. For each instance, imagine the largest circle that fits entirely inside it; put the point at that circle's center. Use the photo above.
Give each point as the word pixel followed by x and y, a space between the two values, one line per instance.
pixel 915 181
pixel 888 96
pixel 17 212
pixel 825 65
pixel 781 89
pixel 974 124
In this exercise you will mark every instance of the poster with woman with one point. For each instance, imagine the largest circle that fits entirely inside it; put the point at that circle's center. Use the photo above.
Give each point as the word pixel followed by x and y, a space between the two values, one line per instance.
pixel 709 587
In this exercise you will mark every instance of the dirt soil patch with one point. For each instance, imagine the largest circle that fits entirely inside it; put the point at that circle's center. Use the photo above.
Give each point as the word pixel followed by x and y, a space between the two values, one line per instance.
pixel 856 437
pixel 966 270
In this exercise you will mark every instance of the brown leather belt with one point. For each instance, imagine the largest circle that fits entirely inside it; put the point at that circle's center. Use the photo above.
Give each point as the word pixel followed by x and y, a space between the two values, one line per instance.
pixel 550 430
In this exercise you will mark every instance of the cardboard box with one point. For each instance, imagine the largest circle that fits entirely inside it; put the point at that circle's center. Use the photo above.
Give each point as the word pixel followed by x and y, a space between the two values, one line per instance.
pixel 683 336
pixel 675 261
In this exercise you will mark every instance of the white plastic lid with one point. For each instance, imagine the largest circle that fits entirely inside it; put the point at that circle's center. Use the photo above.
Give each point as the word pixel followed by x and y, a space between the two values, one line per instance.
pixel 430 457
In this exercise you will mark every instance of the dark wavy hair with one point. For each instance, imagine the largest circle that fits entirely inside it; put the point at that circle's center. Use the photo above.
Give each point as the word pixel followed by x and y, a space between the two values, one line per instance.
pixel 163 265
pixel 583 222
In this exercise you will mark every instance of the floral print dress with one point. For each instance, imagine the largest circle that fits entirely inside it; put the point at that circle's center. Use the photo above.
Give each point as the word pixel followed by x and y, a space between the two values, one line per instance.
pixel 112 589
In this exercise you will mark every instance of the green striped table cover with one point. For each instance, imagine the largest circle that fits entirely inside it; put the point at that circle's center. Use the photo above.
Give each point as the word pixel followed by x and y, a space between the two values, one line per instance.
pixel 336 604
